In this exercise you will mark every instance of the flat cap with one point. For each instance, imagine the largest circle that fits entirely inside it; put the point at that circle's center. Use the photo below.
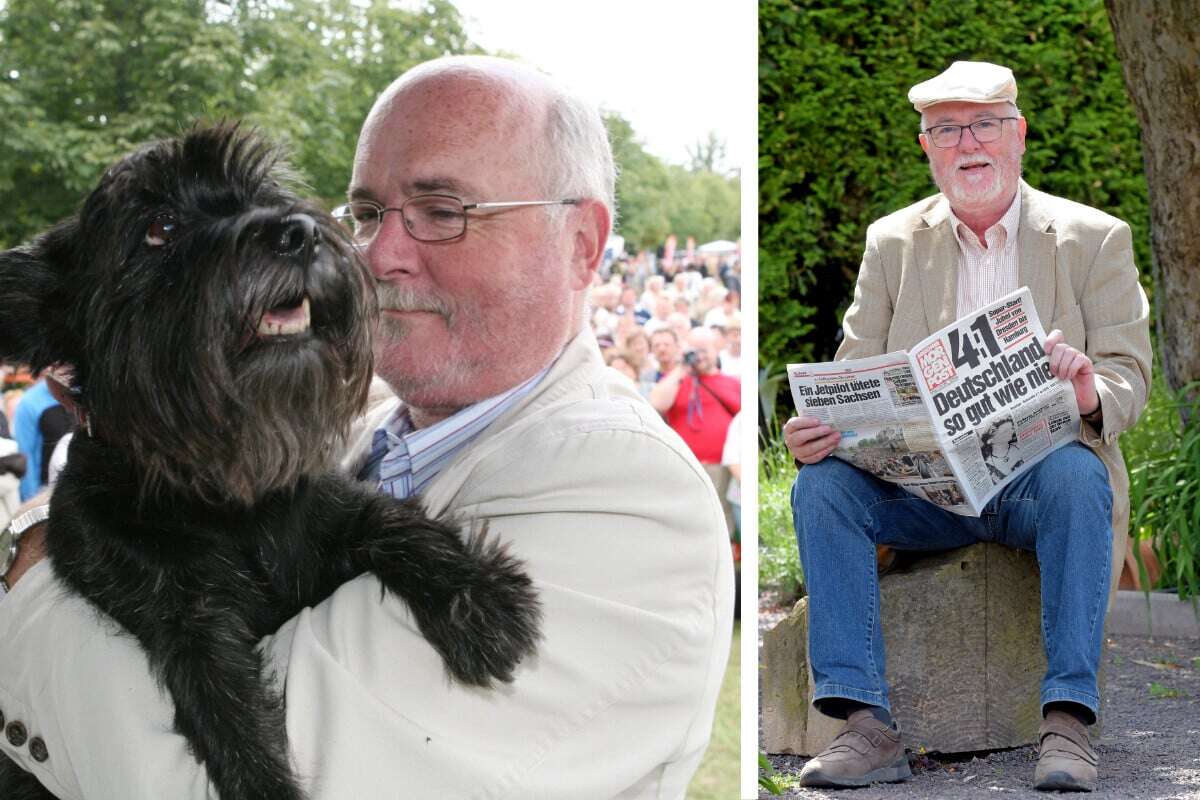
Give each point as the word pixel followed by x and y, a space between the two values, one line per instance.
pixel 966 82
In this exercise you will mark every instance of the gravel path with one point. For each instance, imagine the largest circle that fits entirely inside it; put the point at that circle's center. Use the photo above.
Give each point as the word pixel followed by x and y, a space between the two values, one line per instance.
pixel 1150 747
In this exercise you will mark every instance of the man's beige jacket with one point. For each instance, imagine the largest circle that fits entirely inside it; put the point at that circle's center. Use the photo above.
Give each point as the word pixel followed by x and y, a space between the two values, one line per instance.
pixel 1078 264
pixel 624 536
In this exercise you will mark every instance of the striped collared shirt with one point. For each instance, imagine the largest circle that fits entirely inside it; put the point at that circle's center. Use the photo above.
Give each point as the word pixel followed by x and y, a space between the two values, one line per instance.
pixel 987 274
pixel 404 460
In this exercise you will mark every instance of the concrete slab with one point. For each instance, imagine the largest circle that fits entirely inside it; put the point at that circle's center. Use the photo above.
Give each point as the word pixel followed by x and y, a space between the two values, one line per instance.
pixel 1165 617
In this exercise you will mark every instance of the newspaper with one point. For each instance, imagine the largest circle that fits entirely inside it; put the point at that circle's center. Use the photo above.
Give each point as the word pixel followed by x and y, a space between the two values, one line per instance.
pixel 958 417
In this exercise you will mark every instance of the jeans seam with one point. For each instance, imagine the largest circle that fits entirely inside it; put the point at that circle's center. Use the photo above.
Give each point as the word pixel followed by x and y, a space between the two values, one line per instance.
pixel 1101 597
pixel 873 614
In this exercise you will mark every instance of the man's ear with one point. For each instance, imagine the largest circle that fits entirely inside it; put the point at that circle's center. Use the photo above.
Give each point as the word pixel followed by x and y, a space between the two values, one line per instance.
pixel 31 300
pixel 591 227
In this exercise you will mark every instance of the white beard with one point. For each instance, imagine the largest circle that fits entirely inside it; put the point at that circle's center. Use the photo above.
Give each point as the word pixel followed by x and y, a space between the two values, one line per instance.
pixel 966 191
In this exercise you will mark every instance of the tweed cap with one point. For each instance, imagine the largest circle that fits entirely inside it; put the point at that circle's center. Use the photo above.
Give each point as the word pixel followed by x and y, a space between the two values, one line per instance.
pixel 966 82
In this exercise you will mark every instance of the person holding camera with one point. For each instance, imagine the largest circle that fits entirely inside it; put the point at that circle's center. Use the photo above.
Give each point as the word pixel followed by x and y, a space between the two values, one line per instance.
pixel 699 401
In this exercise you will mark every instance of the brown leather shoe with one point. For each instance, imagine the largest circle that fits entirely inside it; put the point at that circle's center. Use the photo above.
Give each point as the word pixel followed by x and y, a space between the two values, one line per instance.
pixel 865 751
pixel 1066 760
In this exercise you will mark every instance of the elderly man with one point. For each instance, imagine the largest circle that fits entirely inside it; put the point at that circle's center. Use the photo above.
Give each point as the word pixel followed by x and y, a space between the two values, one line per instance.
pixel 986 234
pixel 506 415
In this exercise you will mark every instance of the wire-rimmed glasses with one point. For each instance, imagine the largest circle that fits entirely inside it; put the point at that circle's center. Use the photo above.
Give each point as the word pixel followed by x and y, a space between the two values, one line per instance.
pixel 428 217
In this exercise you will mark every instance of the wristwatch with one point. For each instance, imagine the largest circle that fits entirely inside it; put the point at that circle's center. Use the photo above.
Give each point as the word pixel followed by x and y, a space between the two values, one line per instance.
pixel 11 535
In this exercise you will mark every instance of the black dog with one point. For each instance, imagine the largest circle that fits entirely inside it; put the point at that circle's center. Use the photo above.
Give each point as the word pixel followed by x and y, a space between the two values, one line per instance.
pixel 219 329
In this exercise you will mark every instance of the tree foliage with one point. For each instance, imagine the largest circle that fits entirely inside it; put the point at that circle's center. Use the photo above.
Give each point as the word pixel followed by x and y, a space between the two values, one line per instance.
pixel 838 139
pixel 657 199
pixel 84 81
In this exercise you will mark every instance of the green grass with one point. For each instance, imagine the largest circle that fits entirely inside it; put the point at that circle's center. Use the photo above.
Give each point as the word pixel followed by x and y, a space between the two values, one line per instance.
pixel 778 558
pixel 1160 692
pixel 717 778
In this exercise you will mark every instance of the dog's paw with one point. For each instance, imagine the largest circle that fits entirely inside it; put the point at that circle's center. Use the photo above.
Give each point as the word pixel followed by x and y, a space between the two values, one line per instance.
pixel 491 622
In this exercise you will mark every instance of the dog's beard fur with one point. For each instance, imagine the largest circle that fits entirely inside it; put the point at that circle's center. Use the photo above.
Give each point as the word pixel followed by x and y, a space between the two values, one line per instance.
pixel 174 371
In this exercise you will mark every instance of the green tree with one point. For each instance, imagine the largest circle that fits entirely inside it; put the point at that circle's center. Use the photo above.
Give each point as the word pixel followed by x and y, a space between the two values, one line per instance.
pixel 322 64
pixel 643 187
pixel 85 81
pixel 703 204
pixel 655 199
pixel 708 154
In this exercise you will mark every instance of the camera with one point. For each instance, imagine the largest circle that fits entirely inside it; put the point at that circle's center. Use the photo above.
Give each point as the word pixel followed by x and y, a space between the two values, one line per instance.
pixel 690 357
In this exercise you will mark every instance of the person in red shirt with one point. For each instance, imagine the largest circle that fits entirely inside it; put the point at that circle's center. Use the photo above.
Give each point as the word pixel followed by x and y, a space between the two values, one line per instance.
pixel 698 402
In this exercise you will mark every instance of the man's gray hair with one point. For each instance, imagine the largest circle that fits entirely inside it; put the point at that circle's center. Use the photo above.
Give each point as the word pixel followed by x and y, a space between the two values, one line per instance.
pixel 574 155
pixel 577 157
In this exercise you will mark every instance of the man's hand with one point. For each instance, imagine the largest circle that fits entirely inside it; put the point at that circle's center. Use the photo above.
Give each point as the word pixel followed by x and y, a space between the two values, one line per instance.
pixel 808 439
pixel 1071 365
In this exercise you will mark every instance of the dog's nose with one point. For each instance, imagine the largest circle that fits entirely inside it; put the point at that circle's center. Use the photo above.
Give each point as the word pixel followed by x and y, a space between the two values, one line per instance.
pixel 294 235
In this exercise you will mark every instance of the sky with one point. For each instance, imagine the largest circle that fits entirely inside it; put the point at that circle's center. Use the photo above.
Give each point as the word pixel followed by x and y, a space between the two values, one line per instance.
pixel 676 70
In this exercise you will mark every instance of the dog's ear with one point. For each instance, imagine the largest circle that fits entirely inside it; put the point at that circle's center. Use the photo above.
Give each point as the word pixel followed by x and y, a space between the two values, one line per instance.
pixel 33 300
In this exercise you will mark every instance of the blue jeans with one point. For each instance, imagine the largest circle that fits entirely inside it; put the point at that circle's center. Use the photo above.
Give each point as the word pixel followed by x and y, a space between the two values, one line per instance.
pixel 1061 509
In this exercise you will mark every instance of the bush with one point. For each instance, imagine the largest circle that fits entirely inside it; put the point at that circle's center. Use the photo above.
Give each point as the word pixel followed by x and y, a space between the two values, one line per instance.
pixel 1154 433
pixel 1165 488
pixel 778 558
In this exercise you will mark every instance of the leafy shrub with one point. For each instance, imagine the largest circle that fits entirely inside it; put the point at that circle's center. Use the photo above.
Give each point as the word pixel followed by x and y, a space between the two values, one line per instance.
pixel 1165 495
pixel 778 558
pixel 1154 433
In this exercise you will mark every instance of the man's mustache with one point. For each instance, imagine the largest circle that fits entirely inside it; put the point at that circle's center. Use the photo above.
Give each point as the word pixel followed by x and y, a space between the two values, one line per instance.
pixel 396 298
pixel 964 160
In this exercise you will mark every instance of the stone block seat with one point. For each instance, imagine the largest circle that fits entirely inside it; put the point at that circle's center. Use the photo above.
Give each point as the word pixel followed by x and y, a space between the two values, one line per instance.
pixel 962 631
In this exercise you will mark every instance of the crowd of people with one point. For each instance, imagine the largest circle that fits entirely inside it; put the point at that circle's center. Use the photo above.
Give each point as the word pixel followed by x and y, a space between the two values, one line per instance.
pixel 674 328
pixel 32 425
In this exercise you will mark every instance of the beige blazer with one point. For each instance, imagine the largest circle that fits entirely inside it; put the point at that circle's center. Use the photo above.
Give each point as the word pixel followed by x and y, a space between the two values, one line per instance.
pixel 1078 264
pixel 624 536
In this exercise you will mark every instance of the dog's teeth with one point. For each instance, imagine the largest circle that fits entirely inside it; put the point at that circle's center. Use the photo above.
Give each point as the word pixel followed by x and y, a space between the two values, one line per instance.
pixel 286 322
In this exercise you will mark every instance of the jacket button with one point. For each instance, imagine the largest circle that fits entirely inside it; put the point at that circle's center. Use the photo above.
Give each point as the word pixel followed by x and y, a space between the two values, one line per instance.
pixel 37 749
pixel 16 733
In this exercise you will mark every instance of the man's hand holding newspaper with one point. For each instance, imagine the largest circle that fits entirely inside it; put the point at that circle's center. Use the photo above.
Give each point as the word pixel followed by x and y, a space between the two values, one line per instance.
pixel 1071 365
pixel 969 409
pixel 808 439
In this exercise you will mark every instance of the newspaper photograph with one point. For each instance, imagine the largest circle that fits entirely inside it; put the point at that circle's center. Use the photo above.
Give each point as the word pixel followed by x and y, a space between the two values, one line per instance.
pixel 956 419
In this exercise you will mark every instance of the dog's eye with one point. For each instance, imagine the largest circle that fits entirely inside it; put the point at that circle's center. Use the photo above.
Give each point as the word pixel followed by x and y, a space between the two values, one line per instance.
pixel 161 230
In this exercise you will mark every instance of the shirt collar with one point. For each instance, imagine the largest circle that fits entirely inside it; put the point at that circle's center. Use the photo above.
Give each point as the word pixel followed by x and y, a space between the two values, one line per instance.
pixel 1007 223
pixel 404 459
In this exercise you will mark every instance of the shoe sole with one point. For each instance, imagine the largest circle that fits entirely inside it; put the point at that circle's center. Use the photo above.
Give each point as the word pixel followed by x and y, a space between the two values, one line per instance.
pixel 890 774
pixel 1063 782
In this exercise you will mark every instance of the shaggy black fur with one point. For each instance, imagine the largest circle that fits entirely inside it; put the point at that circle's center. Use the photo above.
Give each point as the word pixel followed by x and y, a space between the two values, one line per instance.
pixel 200 512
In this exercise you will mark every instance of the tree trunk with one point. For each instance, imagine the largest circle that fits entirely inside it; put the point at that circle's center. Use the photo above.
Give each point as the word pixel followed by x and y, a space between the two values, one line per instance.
pixel 1158 42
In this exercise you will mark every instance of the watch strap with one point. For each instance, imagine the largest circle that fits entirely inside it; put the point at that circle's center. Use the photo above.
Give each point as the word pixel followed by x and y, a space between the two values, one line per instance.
pixel 16 527
pixel 23 522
